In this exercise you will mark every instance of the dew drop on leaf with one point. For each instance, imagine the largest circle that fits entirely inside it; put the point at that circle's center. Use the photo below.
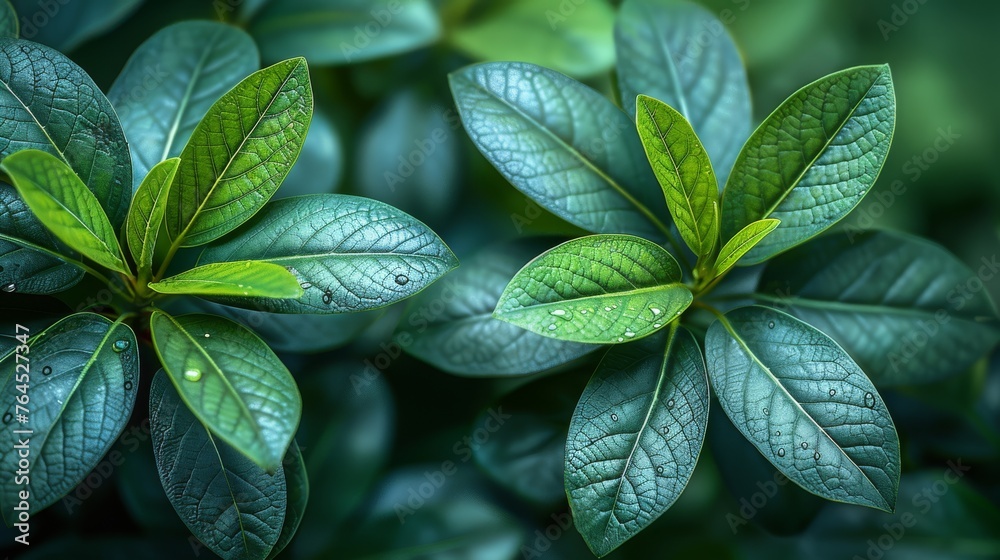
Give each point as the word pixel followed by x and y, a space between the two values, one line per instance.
pixel 656 311
pixel 816 455
pixel 128 385
pixel 558 312
pixel 607 308
pixel 629 334
pixel 778 433
pixel 583 312
pixel 666 429
pixel 620 339
pixel 869 400
pixel 7 417
pixel 46 370
pixel 805 445
pixel 770 325
pixel 766 411
pixel 833 392
pixel 614 417
pixel 402 279
pixel 9 288
pixel 208 335
pixel 192 375
pixel 327 297
pixel 781 452
pixel 552 327
pixel 120 345
pixel 670 403
pixel 306 285
pixel 659 469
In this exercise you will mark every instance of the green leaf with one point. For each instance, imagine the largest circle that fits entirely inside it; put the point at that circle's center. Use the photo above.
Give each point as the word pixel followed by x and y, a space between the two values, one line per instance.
pixel 239 153
pixel 83 374
pixel 64 25
pixel 320 164
pixel 680 53
pixel 451 325
pixel 30 258
pixel 49 103
pixel 346 31
pixel 297 485
pixel 62 202
pixel 230 504
pixel 905 309
pixel 806 406
pixel 635 437
pixel 813 160
pixel 681 165
pixel 599 289
pixel 9 26
pixel 578 44
pixel 349 253
pixel 239 279
pixel 232 382
pixel 741 243
pixel 145 216
pixel 562 144
pixel 170 82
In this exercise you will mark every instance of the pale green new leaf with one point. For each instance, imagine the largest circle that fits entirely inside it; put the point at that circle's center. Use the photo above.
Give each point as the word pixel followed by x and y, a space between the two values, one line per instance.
pixel 682 167
pixel 232 382
pixel 813 159
pixel 741 243
pixel 230 504
pixel 145 216
pixel 236 279
pixel 806 406
pixel 635 437
pixel 349 253
pixel 240 153
pixel 599 289
pixel 84 375
pixel 61 201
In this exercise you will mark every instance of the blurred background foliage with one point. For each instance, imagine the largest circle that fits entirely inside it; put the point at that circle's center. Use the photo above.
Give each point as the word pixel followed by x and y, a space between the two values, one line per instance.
pixel 402 459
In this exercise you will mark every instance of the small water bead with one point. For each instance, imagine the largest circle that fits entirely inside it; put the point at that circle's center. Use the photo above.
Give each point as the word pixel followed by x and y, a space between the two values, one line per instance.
pixel 128 385
pixel 552 327
pixel 805 445
pixel 402 279
pixel 9 288
pixel 833 392
pixel 559 313
pixel 778 433
pixel 606 308
pixel 306 285
pixel 192 375
pixel 120 345
pixel 781 452
pixel 46 370
pixel 583 312
pixel 208 335
pixel 655 310
pixel 666 429
pixel 659 469
pixel 629 334
pixel 614 417
pixel 620 339
pixel 327 297
pixel 7 417
pixel 869 400
pixel 657 325
pixel 766 411
pixel 770 325
pixel 670 403
pixel 816 455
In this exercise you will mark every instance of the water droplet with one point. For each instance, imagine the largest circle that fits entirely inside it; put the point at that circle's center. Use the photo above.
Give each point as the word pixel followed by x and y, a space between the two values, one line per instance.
pixel 620 339
pixel 306 285
pixel 670 403
pixel 666 429
pixel 559 313
pixel 614 306
pixel 629 334
pixel 766 411
pixel 120 345
pixel 402 279
pixel 869 400
pixel 46 370
pixel 208 335
pixel 805 445
pixel 657 325
pixel 25 50
pixel 614 417
pixel 552 327
pixel 192 375
pixel 655 310
pixel 606 308
pixel 327 297
pixel 833 392
pixel 583 312
pixel 816 455
pixel 781 452
pixel 128 385
pixel 778 433
pixel 770 325
pixel 7 417
pixel 659 469
pixel 9 288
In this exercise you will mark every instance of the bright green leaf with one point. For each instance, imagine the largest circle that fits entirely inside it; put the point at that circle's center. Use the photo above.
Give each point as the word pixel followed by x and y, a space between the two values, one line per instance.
pixel 67 24
pixel 170 82
pixel 232 382
pixel 230 504
pixel 62 202
pixel 635 437
pixel 680 53
pixel 235 279
pixel 684 171
pixel 297 485
pixel 349 253
pixel 342 32
pixel 901 306
pixel 30 258
pixel 741 243
pixel 84 375
pixel 239 153
pixel 49 103
pixel 579 44
pixel 806 406
pixel 813 160
pixel 9 26
pixel 598 289
pixel 145 216
pixel 562 144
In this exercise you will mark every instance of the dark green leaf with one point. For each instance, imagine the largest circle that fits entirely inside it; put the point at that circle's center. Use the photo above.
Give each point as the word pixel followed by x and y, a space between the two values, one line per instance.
pixel 239 279
pixel 577 42
pixel 239 153
pixel 562 144
pixel 349 253
pixel 64 24
pixel 684 171
pixel 83 374
pixel 635 437
pixel 145 216
pixel 452 324
pixel 806 406
pixel 813 160
pixel 170 82
pixel 904 308
pixel 679 53
pixel 30 259
pixel 47 102
pixel 297 484
pixel 230 504
pixel 58 198
pixel 345 31
pixel 598 289
pixel 232 382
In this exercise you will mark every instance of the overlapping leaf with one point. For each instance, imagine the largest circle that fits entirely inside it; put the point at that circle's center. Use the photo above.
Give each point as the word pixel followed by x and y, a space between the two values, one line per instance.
pixel 238 279
pixel 145 216
pixel 31 260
